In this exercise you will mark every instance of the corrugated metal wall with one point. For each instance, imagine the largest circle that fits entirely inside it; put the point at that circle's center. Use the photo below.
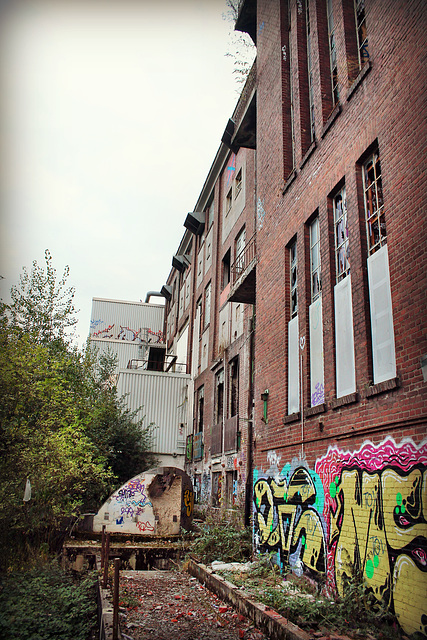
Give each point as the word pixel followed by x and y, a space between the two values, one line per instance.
pixel 164 400
pixel 124 320
pixel 125 351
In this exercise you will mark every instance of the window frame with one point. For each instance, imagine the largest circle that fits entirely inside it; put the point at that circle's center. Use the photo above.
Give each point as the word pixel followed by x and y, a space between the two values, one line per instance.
pixel 315 246
pixel 341 221
pixel 373 197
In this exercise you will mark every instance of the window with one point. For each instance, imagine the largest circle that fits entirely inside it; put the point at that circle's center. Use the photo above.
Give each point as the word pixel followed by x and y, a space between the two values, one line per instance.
pixel 229 201
pixel 294 281
pixel 309 69
pixel 219 396
pixel 234 388
pixel 210 213
pixel 316 281
pixel 361 32
pixel 238 183
pixel 374 205
pixel 207 305
pixel 226 269
pixel 239 248
pixel 332 52
pixel 200 409
pixel 342 257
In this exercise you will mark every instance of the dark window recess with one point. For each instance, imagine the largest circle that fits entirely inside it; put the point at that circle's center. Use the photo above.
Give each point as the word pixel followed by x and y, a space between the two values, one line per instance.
pixel 226 269
pixel 234 387
pixel 156 359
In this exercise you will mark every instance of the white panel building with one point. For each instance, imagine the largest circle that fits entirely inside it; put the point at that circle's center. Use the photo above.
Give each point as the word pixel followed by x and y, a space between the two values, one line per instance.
pixel 149 377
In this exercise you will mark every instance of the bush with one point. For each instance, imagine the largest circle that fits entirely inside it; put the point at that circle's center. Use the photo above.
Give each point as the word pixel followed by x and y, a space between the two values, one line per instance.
pixel 223 537
pixel 47 603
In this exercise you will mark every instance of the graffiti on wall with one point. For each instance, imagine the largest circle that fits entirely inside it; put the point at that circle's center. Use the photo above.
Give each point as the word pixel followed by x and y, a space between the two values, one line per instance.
pixel 128 334
pixel 288 520
pixel 363 511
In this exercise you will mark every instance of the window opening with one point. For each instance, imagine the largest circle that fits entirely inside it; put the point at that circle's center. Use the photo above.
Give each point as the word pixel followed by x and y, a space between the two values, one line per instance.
pixel 200 408
pixel 309 69
pixel 291 89
pixel 332 52
pixel 226 269
pixel 234 388
pixel 238 183
pixel 228 201
pixel 219 404
pixel 361 32
pixel 316 281
pixel 239 248
pixel 210 216
pixel 374 205
pixel 207 304
pixel 294 281
pixel 342 254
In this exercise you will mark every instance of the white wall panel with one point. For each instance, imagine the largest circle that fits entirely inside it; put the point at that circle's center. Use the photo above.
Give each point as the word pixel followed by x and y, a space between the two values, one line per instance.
pixel 122 320
pixel 383 349
pixel 293 366
pixel 163 398
pixel 316 353
pixel 344 339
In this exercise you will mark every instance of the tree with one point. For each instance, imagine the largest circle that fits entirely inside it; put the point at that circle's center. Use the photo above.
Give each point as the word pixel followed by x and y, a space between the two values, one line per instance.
pixel 43 306
pixel 243 50
pixel 62 425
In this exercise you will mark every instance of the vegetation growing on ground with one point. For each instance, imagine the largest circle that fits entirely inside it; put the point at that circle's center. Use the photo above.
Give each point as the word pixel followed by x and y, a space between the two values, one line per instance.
pixel 62 426
pixel 298 600
pixel 222 536
pixel 47 604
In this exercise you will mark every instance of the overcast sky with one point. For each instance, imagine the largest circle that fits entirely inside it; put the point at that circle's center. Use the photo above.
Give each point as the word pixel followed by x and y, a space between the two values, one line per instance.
pixel 111 116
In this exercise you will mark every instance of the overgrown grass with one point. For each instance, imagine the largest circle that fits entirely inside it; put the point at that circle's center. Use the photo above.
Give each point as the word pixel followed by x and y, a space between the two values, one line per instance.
pixel 46 603
pixel 222 536
pixel 296 599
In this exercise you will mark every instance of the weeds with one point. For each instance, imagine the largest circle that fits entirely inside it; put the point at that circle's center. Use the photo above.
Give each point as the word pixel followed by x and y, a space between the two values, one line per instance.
pixel 47 603
pixel 296 599
pixel 222 537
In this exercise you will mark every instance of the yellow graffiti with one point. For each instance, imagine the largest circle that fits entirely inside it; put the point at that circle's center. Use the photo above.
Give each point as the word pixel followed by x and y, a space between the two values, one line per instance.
pixel 189 501
pixel 380 516
pixel 285 518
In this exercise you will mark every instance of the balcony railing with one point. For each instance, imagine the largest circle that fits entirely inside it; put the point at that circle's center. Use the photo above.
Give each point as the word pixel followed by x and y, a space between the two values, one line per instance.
pixel 231 427
pixel 216 439
pixel 243 260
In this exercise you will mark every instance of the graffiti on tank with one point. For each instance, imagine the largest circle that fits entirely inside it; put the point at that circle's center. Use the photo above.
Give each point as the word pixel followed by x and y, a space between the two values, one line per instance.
pixel 145 526
pixel 189 501
pixel 376 506
pixel 287 518
pixel 131 500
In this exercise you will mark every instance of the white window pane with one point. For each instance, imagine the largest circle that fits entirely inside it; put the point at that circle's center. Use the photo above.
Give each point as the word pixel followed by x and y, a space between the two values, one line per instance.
pixel 383 350
pixel 293 366
pixel 344 339
pixel 316 353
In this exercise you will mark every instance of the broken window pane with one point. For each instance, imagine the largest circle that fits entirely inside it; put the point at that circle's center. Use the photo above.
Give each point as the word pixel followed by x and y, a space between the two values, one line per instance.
pixel 342 252
pixel 374 204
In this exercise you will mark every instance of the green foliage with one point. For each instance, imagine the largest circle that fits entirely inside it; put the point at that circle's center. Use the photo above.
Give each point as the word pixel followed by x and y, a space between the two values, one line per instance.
pixel 222 537
pixel 41 305
pixel 62 425
pixel 302 605
pixel 47 604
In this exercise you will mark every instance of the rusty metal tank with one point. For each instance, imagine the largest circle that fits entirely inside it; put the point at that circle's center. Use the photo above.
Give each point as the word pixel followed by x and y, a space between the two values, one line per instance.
pixel 157 502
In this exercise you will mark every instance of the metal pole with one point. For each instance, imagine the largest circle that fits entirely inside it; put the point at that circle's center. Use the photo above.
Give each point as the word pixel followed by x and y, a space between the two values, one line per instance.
pixel 106 559
pixel 302 409
pixel 116 599
pixel 103 546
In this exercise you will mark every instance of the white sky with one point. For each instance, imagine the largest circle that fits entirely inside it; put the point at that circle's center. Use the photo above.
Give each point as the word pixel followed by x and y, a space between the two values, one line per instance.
pixel 111 116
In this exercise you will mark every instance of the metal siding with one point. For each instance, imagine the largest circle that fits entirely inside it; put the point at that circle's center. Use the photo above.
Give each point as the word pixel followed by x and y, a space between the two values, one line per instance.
pixel 135 315
pixel 164 400
pixel 125 351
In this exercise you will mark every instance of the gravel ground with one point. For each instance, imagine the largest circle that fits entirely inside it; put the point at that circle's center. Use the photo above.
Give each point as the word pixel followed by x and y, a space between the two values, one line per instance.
pixel 170 605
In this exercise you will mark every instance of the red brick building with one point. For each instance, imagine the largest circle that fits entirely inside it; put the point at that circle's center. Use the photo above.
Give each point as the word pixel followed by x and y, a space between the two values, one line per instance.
pixel 310 404
pixel 340 446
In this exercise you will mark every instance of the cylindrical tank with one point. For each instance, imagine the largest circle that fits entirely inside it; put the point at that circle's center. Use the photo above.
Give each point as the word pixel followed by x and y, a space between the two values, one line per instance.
pixel 157 502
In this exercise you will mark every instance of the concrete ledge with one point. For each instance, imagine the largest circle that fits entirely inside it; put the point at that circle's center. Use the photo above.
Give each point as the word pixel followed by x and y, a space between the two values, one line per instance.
pixel 269 621
pixel 105 609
